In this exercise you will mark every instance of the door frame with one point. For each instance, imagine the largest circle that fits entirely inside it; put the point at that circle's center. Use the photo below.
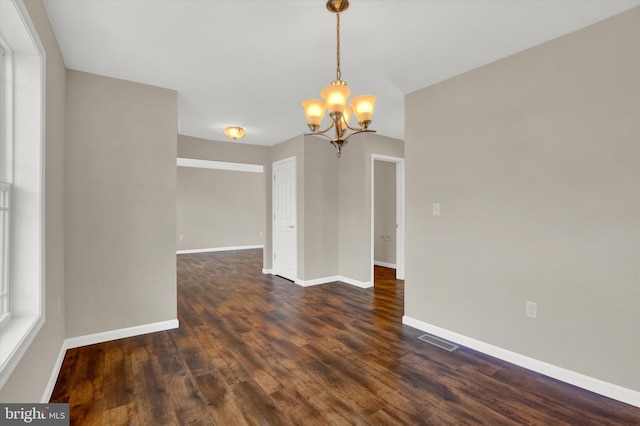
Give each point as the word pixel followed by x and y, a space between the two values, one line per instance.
pixel 274 234
pixel 399 162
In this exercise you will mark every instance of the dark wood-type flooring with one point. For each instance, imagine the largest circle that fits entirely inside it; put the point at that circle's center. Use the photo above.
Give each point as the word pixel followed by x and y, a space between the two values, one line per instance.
pixel 259 350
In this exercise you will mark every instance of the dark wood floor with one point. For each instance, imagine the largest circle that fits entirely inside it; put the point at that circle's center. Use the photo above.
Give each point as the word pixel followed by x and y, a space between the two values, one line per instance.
pixel 256 349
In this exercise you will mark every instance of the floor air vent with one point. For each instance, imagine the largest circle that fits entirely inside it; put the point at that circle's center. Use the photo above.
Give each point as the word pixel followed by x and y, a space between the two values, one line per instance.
pixel 441 343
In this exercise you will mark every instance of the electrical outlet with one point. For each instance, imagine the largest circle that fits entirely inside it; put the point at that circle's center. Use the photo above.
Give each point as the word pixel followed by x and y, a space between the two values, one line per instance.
pixel 181 237
pixel 531 309
pixel 436 209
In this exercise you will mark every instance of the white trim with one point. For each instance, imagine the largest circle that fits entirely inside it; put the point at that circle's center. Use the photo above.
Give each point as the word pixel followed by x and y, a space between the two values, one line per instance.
pixel 400 211
pixel 335 278
pixel 106 336
pixel 6 111
pixel 55 372
pixel 351 281
pixel 384 264
pixel 206 250
pixel 121 333
pixel 317 281
pixel 18 334
pixel 219 165
pixel 592 384
pixel 267 271
pixel 28 250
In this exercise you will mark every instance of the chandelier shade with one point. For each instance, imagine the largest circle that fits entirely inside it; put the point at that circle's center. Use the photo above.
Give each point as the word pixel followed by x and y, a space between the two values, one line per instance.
pixel 335 100
pixel 314 111
pixel 363 108
pixel 335 97
pixel 346 116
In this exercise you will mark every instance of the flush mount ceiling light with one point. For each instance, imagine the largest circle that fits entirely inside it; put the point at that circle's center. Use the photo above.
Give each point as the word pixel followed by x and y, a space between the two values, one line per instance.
pixel 335 99
pixel 234 132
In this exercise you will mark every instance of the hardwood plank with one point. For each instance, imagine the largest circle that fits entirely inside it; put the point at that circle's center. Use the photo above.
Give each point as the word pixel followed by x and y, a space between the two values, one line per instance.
pixel 118 387
pixel 189 404
pixel 255 349
pixel 256 406
pixel 155 407
pixel 122 415
pixel 221 401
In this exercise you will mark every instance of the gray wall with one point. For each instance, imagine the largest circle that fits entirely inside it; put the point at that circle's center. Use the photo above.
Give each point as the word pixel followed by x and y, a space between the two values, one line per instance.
pixel 233 152
pixel 354 231
pixel 120 209
pixel 29 378
pixel 355 201
pixel 334 204
pixel 535 160
pixel 321 209
pixel 384 212
pixel 219 208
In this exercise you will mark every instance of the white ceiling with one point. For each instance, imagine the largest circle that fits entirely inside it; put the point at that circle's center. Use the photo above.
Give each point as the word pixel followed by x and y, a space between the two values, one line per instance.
pixel 251 63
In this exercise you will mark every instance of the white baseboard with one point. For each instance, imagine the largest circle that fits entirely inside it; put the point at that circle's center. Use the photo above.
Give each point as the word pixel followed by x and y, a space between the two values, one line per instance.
pixel 361 284
pixel 105 336
pixel 592 384
pixel 91 339
pixel 207 250
pixel 385 264
pixel 46 396
pixel 317 281
pixel 267 271
pixel 324 280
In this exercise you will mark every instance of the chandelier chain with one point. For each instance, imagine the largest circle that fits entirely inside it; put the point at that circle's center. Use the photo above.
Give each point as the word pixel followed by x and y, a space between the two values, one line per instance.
pixel 338 73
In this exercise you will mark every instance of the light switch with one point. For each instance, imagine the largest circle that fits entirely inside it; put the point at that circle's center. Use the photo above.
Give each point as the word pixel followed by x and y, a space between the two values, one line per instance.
pixel 531 309
pixel 436 209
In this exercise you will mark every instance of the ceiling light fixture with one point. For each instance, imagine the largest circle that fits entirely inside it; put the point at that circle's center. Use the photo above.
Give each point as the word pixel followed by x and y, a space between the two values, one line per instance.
pixel 335 99
pixel 234 132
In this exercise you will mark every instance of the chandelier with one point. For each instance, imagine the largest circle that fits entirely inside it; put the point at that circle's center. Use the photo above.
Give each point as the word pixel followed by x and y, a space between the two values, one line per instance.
pixel 335 100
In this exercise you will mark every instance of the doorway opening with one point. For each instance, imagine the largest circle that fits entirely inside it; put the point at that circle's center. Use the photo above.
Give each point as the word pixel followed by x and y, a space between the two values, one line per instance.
pixel 387 212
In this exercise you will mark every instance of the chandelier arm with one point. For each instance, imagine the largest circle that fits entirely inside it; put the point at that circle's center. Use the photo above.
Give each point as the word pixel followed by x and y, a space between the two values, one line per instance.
pixel 355 133
pixel 361 129
pixel 317 132
pixel 320 134
pixel 338 147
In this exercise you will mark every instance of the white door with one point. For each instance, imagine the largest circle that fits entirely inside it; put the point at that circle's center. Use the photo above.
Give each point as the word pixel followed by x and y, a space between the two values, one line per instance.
pixel 285 242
